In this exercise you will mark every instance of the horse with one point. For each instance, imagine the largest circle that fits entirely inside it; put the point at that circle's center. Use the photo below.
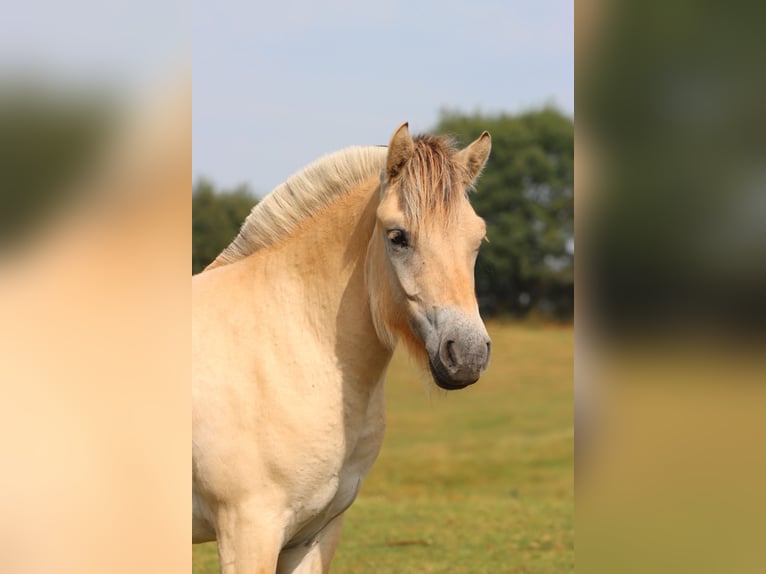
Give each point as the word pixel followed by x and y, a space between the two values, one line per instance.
pixel 294 324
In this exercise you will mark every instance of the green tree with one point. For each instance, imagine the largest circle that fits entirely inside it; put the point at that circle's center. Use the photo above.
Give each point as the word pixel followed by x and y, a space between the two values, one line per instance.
pixel 526 198
pixel 216 219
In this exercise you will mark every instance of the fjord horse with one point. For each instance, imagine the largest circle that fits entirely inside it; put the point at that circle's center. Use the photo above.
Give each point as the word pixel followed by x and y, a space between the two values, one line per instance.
pixel 294 325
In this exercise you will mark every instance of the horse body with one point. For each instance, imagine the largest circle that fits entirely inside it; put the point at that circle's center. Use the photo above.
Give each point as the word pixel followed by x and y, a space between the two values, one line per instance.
pixel 291 343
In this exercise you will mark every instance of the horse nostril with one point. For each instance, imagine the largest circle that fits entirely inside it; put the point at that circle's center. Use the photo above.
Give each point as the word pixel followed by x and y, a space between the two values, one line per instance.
pixel 451 353
pixel 486 359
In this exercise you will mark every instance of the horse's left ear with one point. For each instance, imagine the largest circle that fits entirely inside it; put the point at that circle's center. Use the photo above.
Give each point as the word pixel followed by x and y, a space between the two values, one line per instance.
pixel 475 155
pixel 400 151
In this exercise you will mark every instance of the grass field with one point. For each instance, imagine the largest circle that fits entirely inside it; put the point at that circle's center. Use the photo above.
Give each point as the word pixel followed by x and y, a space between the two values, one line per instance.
pixel 475 481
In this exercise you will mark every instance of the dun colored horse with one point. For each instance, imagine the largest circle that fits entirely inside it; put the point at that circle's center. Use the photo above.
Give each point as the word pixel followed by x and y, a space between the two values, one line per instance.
pixel 294 325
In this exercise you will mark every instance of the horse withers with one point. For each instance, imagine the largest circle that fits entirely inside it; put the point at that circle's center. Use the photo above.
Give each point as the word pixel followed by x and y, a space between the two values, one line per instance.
pixel 294 325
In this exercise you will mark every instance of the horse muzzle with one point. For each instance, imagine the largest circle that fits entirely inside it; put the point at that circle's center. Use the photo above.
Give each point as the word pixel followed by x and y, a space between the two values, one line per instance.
pixel 458 348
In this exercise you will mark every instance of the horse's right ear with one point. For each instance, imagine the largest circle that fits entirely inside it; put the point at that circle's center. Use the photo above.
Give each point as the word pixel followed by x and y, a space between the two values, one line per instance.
pixel 475 156
pixel 400 150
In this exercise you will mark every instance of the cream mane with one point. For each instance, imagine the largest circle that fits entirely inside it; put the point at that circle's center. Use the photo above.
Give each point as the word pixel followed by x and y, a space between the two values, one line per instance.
pixel 301 196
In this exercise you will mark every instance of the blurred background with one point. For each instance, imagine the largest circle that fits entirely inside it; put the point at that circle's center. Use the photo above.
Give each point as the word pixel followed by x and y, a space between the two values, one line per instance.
pixel 671 222
pixel 95 173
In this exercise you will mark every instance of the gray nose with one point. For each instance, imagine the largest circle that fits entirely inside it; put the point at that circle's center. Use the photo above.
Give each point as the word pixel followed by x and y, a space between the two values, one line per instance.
pixel 465 357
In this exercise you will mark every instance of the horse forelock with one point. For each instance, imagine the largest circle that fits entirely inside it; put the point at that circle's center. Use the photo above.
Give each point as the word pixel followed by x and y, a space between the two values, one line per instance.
pixel 432 183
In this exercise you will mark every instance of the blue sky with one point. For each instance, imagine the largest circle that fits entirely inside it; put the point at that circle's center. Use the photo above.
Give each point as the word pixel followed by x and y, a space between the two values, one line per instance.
pixel 278 84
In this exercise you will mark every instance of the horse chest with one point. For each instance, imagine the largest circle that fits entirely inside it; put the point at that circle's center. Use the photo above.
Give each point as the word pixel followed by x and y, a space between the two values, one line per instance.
pixel 328 500
pixel 337 480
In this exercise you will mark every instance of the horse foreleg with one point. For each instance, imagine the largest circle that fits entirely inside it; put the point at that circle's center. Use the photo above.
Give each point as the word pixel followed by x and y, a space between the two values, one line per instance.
pixel 248 543
pixel 314 557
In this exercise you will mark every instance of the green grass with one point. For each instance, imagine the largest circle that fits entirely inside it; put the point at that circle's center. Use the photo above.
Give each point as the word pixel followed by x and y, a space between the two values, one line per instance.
pixel 479 480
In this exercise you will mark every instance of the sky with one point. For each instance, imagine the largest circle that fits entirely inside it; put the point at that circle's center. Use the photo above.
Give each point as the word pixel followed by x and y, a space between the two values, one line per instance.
pixel 277 85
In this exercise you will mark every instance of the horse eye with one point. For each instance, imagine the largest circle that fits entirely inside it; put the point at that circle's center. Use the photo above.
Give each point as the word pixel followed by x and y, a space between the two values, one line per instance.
pixel 398 237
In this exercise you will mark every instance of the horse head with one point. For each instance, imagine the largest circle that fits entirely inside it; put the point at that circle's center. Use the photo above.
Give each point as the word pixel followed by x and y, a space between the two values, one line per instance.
pixel 422 253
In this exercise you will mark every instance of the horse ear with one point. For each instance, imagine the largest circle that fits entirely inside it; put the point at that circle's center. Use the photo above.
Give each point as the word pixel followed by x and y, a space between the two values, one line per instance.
pixel 475 155
pixel 400 150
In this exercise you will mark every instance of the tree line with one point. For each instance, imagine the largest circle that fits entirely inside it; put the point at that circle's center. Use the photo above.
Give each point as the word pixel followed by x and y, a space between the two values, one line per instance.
pixel 525 195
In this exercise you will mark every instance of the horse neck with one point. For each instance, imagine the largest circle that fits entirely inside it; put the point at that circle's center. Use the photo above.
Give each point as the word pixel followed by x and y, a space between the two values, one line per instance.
pixel 326 257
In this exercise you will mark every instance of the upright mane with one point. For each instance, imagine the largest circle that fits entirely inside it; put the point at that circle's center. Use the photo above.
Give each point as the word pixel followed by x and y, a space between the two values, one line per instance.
pixel 432 168
pixel 302 195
